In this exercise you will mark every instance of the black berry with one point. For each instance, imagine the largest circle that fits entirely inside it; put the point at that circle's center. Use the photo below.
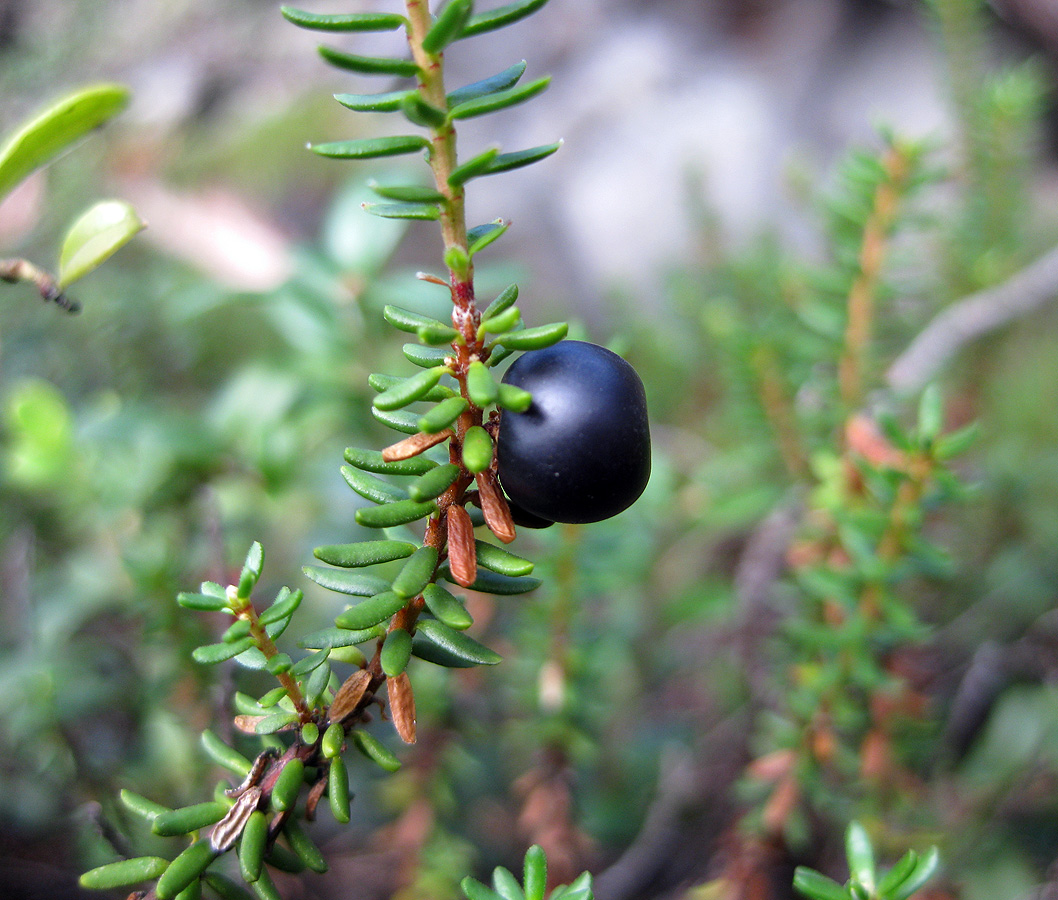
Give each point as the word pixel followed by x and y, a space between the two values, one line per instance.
pixel 581 452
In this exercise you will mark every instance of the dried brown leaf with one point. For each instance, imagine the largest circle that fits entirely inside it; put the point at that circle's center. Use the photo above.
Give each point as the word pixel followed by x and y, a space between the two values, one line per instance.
pixel 494 506
pixel 414 445
pixel 349 695
pixel 402 706
pixel 226 832
pixel 462 554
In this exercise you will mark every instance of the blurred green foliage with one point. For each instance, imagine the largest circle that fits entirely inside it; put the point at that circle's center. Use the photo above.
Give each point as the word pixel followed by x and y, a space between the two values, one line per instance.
pixel 144 444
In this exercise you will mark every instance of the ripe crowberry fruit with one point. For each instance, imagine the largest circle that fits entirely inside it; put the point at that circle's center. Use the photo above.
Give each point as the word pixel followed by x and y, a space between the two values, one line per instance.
pixel 581 452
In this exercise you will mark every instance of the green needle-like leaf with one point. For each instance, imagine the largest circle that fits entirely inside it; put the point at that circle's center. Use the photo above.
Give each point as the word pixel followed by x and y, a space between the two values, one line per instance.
pixel 534 338
pixel 184 869
pixel 477 449
pixel 406 320
pixel 535 880
pixel 410 193
pixel 437 643
pixel 506 162
pixel 304 846
pixel 817 886
pixel 369 65
pixel 53 129
pixel 409 390
pixel 188 819
pixel 475 890
pixel 501 81
pixel 371 148
pixel 366 21
pixel 123 873
pixel 371 488
pixel 100 232
pixel 396 651
pixel 501 100
pixel 433 483
pixel 473 167
pixel 514 398
pixel 211 654
pixel 924 870
pixel 342 581
pixel 447 26
pixel 390 515
pixel 389 101
pixel 447 607
pixel 500 17
pixel 506 885
pixel 500 322
pixel 398 420
pixel 481 386
pixel 425 356
pixel 372 461
pixel 860 856
pixel 479 237
pixel 374 750
pixel 338 790
pixel 364 553
pixel 223 755
pixel 416 573
pixel 252 846
pixel 496 559
pixel 441 416
pixel 417 212
pixel 372 611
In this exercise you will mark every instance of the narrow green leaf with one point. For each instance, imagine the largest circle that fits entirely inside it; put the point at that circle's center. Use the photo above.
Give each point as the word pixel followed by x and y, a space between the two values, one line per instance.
pixel 924 870
pixel 374 750
pixel 358 584
pixel 419 112
pixel 202 602
pixel 897 874
pixel 264 887
pixel 493 583
pixel 372 461
pixel 213 589
pixel 316 684
pixel 189 818
pixel 957 442
pixel 38 140
pixel 98 233
pixel 123 873
pixel 860 856
pixel 437 643
pixel 141 806
pixel 333 739
pixel 418 212
pixel 286 602
pixel 433 483
pixel 504 300
pixel 817 886
pixel 372 611
pixel 283 859
pixel 371 488
pixel 309 663
pixel 535 878
pixel 479 237
pixel 409 390
pixel 447 26
pixel 475 890
pixel 412 193
pixel 211 654
pixel 399 420
pixel 331 638
pixel 366 21
pixel 381 382
pixel 477 449
pixel 507 162
pixel 506 885
pixel 500 17
pixel 389 515
pixel 188 866
pixel 416 573
pixel 496 559
pixel 364 553
pixel 396 651
pixel 534 338
pixel 279 664
pixel 514 398
pixel 288 785
pixel 304 846
pixel 252 846
pixel 481 386
pixel 406 320
pixel 930 414
pixel 436 334
pixel 500 100
pixel 279 721
pixel 441 416
pixel 388 101
pixel 473 167
pixel 501 322
pixel 448 608
pixel 369 65
pixel 501 81
pixel 338 790
pixel 425 356
pixel 223 755
pixel 371 148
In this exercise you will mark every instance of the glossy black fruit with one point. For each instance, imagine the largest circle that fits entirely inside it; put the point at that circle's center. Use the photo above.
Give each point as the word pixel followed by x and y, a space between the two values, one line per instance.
pixel 581 452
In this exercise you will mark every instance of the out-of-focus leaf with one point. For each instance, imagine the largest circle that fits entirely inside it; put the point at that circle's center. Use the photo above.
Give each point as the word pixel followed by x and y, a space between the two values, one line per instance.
pixel 40 139
pixel 365 21
pixel 101 231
